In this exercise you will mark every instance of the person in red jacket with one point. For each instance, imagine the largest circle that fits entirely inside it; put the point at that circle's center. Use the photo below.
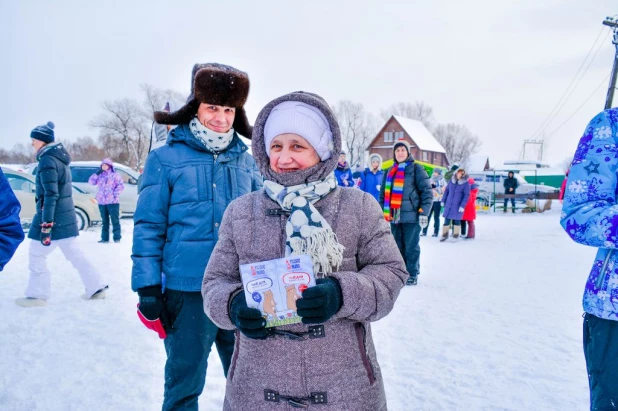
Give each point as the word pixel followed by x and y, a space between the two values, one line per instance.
pixel 469 214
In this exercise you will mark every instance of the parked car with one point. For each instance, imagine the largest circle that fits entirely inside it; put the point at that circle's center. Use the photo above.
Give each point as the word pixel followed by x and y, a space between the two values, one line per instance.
pixel 24 187
pixel 82 170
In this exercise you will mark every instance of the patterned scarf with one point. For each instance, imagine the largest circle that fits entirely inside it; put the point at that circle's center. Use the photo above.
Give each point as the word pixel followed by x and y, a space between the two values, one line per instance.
pixel 307 231
pixel 393 192
pixel 216 142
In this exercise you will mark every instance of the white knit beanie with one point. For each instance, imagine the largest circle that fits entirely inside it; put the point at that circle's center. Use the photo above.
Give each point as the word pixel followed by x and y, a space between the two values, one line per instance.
pixel 299 118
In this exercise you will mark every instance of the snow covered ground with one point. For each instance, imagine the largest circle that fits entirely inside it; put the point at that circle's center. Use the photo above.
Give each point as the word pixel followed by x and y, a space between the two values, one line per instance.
pixel 494 324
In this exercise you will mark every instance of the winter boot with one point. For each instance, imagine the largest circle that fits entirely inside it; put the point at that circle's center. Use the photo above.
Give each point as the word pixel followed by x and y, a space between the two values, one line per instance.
pixel 445 231
pixel 435 234
pixel 28 302
pixel 99 295
pixel 456 232
pixel 513 210
pixel 103 241
pixel 547 205
pixel 412 281
pixel 505 209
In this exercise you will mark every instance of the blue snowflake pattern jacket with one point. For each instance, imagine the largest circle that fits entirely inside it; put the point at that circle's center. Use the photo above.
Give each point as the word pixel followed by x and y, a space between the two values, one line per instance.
pixel 590 210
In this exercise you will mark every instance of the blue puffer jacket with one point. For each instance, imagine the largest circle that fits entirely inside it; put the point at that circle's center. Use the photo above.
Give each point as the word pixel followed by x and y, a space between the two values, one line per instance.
pixel 184 192
pixel 371 182
pixel 590 210
pixel 11 233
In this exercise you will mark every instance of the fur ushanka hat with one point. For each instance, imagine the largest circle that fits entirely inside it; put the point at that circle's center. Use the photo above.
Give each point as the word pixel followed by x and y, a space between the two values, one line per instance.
pixel 217 84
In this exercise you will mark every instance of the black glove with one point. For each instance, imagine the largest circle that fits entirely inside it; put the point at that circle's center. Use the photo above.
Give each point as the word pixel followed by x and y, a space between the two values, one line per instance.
pixel 46 229
pixel 152 306
pixel 321 302
pixel 249 321
pixel 434 185
pixel 99 171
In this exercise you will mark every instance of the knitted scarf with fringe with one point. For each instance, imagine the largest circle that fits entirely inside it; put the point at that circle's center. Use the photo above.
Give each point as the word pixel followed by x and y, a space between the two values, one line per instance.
pixel 307 231
pixel 393 192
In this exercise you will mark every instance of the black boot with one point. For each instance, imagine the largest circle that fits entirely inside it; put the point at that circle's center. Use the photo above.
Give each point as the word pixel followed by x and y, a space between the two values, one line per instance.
pixel 412 281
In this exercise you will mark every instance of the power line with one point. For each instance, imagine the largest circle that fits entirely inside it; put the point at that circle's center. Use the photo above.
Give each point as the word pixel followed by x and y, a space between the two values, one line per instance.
pixel 578 81
pixel 580 107
pixel 545 123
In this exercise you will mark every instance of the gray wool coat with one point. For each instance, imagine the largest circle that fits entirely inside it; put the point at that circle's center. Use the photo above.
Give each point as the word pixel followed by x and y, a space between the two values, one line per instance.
pixel 340 363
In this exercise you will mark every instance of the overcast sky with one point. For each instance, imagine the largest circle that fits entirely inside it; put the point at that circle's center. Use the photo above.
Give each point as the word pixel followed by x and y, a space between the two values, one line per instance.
pixel 499 67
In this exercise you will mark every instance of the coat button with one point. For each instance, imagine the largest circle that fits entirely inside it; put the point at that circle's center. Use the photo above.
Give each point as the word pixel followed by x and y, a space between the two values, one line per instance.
pixel 214 185
pixel 216 224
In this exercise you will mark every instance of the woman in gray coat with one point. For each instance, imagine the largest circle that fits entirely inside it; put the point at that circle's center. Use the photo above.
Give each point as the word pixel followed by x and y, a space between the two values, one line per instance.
pixel 328 361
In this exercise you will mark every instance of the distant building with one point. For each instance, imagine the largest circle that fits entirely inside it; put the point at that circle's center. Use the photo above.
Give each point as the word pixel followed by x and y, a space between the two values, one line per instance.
pixel 423 145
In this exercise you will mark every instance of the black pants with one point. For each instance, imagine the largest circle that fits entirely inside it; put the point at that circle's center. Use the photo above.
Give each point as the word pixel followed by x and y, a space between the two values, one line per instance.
pixel 601 352
pixel 436 207
pixel 407 237
pixel 506 202
pixel 110 211
pixel 188 346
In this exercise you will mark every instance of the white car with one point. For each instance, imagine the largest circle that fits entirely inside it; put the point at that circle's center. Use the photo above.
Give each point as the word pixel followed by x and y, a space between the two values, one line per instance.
pixel 24 187
pixel 82 170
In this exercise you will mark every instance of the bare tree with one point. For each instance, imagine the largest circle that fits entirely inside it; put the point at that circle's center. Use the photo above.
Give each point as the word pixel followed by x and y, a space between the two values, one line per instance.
pixel 85 149
pixel 123 121
pixel 155 99
pixel 19 154
pixel 357 129
pixel 458 141
pixel 419 110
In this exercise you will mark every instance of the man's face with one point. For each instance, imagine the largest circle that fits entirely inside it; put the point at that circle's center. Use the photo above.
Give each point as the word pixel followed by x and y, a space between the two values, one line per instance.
pixel 217 118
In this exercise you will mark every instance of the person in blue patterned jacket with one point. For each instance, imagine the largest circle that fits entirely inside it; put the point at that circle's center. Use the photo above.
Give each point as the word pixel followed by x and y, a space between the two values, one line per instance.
pixel 186 186
pixel 590 217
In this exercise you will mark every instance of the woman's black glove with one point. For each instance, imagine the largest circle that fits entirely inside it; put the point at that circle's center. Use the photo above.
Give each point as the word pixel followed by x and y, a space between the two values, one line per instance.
pixel 321 302
pixel 249 321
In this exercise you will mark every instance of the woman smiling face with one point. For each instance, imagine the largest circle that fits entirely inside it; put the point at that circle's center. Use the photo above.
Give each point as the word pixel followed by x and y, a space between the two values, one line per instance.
pixel 291 152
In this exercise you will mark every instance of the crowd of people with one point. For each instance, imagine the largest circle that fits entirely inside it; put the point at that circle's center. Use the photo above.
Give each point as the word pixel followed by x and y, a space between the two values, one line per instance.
pixel 206 206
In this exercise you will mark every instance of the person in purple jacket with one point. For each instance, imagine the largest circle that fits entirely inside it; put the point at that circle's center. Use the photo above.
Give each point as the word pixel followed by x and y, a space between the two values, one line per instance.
pixel 455 199
pixel 110 186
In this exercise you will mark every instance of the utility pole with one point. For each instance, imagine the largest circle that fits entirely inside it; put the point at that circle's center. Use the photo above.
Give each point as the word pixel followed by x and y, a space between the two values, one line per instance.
pixel 613 23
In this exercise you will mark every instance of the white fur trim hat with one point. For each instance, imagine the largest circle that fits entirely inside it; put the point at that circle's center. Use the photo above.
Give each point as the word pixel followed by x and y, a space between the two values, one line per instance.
pixel 299 118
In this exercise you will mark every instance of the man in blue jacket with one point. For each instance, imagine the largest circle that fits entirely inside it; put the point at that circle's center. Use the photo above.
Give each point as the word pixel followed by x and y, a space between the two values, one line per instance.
pixel 11 233
pixel 186 186
pixel 590 217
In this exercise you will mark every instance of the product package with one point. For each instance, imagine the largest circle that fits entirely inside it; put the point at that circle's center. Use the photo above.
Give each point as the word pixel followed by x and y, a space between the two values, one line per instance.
pixel 274 286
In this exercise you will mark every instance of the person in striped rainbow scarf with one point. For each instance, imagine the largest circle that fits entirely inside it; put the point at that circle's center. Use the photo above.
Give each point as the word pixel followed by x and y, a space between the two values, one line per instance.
pixel 406 199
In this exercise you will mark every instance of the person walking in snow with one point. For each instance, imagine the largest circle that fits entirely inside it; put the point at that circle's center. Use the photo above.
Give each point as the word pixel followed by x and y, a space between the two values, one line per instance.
pixel 343 173
pixel 468 228
pixel 55 222
pixel 110 185
pixel 455 199
pixel 186 186
pixel 589 218
pixel 510 187
pixel 438 184
pixel 11 233
pixel 406 197
pixel 328 361
pixel 371 179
